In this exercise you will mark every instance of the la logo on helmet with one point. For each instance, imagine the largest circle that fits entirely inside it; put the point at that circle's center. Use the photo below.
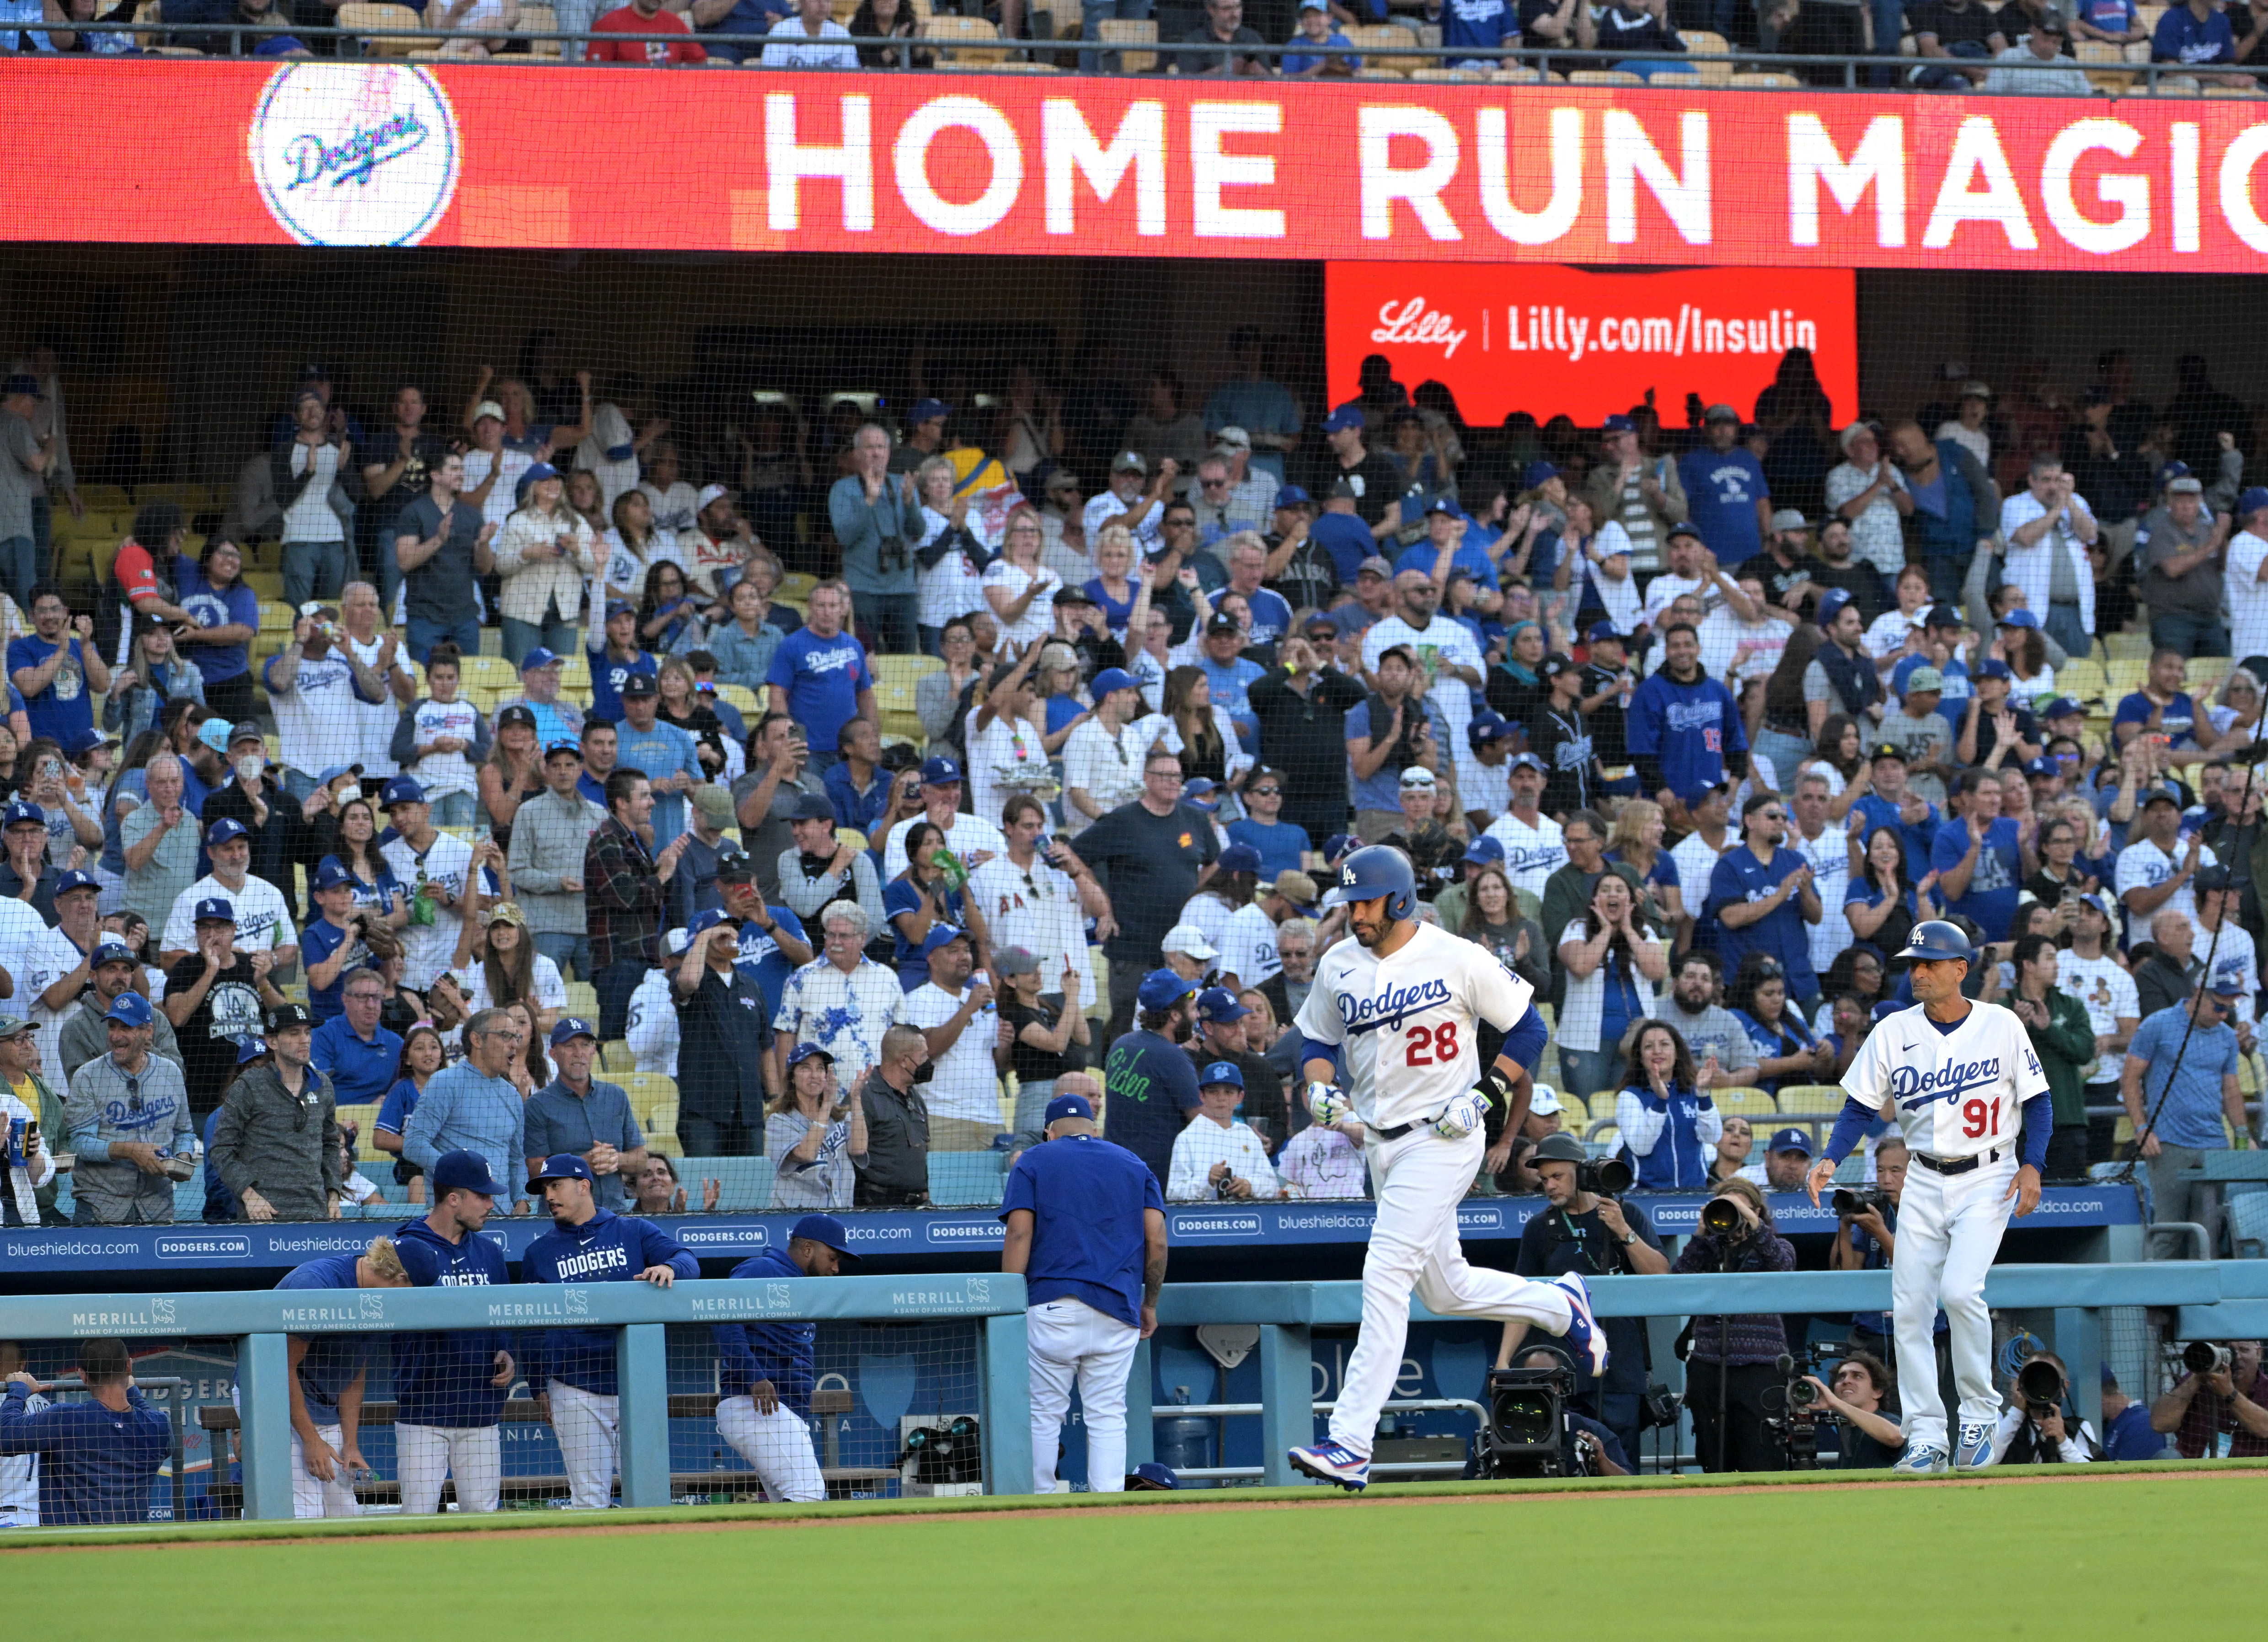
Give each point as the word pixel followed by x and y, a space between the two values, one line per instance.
pixel 1346 875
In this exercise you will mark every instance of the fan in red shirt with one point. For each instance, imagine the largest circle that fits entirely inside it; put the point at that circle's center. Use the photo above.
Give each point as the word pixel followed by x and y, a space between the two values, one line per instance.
pixel 639 18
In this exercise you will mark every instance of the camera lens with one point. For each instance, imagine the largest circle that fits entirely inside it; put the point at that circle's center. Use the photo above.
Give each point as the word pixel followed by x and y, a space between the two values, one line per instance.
pixel 2203 1357
pixel 1720 1216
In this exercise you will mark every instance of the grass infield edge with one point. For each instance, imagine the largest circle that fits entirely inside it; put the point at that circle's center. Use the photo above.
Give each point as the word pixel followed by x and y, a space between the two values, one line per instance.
pixel 728 1515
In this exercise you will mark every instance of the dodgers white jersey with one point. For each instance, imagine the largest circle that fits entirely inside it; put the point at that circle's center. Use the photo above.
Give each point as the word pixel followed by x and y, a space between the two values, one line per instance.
pixel 1953 1093
pixel 1406 1025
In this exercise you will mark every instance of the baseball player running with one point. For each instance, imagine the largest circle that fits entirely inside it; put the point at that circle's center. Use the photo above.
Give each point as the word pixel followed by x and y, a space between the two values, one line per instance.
pixel 1962 1084
pixel 1401 1002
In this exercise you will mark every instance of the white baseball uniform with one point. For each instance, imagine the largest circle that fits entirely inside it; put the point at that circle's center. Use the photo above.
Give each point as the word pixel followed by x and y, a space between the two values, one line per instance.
pixel 1957 1094
pixel 1406 1029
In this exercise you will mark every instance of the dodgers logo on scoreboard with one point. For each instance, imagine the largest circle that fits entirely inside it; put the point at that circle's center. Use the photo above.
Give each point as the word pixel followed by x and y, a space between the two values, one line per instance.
pixel 355 153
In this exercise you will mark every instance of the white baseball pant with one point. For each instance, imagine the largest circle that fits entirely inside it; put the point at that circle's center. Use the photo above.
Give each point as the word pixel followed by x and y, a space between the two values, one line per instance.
pixel 778 1445
pixel 590 1444
pixel 1950 1228
pixel 311 1496
pixel 1071 1340
pixel 425 1454
pixel 1419 1180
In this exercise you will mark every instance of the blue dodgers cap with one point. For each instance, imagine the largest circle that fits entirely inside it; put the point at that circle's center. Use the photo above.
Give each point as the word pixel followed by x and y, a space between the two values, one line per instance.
pixel 707 920
pixel 2061 707
pixel 1537 472
pixel 2172 471
pixel 335 771
pixel 1699 791
pixel 251 1049
pixel 927 410
pixel 940 935
pixel 1791 1140
pixel 2227 981
pixel 1220 1071
pixel 2255 498
pixel 939 771
pixel 1618 424
pixel 76 880
pixel 1347 416
pixel 1218 1005
pixel 1942 615
pixel 572 1027
pixel 1152 1477
pixel 1484 851
pixel 1339 846
pixel 560 1166
pixel 1291 496
pixel 213 909
pixel 1113 678
pixel 463 1171
pixel 1995 670
pixel 1162 989
pixel 1239 858
pixel 23 814
pixel 803 1052
pixel 824 1229
pixel 329 875
pixel 23 382
pixel 1600 632
pixel 573 749
pixel 1831 603
pixel 110 952
pixel 2043 766
pixel 536 658
pixel 1070 1106
pixel 1487 725
pixel 2018 618
pixel 216 835
pixel 128 1009
pixel 538 473
pixel 1198 794
pixel 401 790
pixel 1529 761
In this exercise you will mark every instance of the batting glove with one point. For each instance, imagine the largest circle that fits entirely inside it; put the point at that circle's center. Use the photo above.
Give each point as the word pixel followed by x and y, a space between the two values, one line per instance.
pixel 1463 1116
pixel 1327 1105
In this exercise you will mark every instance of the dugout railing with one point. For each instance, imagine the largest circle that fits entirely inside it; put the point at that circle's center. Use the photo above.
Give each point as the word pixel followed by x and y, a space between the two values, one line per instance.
pixel 2212 1301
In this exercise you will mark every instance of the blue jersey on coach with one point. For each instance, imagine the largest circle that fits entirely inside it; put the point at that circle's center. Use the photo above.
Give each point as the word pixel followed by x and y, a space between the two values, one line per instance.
pixel 780 1353
pixel 333 1362
pixel 607 1247
pixel 441 1377
pixel 95 1465
pixel 1086 1197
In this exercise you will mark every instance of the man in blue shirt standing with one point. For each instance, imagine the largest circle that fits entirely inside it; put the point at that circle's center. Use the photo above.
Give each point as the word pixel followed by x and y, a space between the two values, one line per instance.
pixel 1683 728
pixel 97 1457
pixel 766 1370
pixel 473 1106
pixel 1149 1080
pixel 328 1373
pixel 1726 491
pixel 1086 1231
pixel 670 758
pixel 571 1371
pixel 449 1385
pixel 1979 857
pixel 820 676
pixel 1761 897
pixel 2179 1084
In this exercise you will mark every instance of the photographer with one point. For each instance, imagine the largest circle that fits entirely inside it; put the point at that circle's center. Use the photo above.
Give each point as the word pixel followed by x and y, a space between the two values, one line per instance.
pixel 1588 1449
pixel 2221 1413
pixel 1585 1231
pixel 2040 1426
pixel 1871 1441
pixel 1731 1361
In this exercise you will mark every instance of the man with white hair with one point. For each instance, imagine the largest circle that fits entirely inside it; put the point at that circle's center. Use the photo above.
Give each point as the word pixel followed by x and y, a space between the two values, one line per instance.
pixel 371 642
pixel 842 1000
pixel 1870 495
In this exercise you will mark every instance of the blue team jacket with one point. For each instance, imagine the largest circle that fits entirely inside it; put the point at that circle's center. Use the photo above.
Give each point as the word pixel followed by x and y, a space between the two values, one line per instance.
pixel 780 1353
pixel 441 1378
pixel 607 1247
pixel 1688 727
pixel 95 1466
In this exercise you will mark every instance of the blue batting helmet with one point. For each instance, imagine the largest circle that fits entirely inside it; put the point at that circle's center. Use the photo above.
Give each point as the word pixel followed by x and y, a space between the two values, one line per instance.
pixel 1368 873
pixel 1935 940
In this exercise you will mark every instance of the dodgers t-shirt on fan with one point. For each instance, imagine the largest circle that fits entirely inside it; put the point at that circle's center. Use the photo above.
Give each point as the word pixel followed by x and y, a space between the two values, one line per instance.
pixel 1722 488
pixel 761 959
pixel 63 711
pixel 333 1361
pixel 822 678
pixel 608 674
pixel 235 605
pixel 1485 23
pixel 1087 1198
pixel 1992 898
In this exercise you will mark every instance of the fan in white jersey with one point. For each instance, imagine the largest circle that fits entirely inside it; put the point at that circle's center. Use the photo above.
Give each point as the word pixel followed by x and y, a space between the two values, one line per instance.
pixel 1401 1003
pixel 1965 1089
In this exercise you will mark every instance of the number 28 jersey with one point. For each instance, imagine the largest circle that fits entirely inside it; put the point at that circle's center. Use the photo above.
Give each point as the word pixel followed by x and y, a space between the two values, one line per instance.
pixel 1953 1093
pixel 1405 1025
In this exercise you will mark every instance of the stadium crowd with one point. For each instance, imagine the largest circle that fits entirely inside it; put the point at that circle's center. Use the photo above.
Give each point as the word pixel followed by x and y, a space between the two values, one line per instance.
pixel 1030 789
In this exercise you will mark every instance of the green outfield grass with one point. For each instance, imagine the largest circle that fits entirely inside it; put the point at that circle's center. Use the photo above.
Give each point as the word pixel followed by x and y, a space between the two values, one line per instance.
pixel 2133 1556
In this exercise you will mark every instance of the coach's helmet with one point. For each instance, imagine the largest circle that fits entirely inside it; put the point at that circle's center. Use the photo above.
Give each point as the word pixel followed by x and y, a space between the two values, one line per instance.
pixel 1936 941
pixel 1378 869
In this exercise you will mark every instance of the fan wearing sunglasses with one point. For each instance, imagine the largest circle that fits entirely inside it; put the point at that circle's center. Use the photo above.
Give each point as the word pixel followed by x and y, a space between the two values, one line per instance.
pixel 128 1117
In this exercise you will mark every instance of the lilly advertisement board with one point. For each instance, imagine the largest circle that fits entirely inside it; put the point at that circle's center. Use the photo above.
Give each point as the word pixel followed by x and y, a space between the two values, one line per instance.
pixel 364 153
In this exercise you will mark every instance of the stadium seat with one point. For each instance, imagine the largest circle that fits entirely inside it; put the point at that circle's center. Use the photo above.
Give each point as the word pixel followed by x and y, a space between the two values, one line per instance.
pixel 1604 77
pixel 2127 646
pixel 364 1118
pixel 2126 676
pixel 741 696
pixel 1382 46
pixel 1811 1099
pixel 614 1057
pixel 2083 680
pixel 1575 1113
pixel 493 673
pixel 372 18
pixel 583 999
pixel 1701 43
pixel 1746 1103
pixel 966 1177
pixel 649 1092
pixel 970 29
pixel 2205 674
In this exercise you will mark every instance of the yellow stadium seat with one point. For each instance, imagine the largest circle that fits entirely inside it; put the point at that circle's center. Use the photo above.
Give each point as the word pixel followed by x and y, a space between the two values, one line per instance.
pixel 364 1118
pixel 615 1058
pixel 1809 1099
pixel 490 673
pixel 2126 677
pixel 2127 646
pixel 981 35
pixel 1761 82
pixel 649 1092
pixel 1604 77
pixel 2204 673
pixel 1701 43
pixel 1575 1112
pixel 371 18
pixel 2083 680
pixel 1745 1102
pixel 741 696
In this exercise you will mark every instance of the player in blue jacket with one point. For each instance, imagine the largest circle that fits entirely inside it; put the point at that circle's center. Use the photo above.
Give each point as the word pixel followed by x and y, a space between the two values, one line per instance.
pixel 97 1457
pixel 1684 728
pixel 449 1386
pixel 327 1371
pixel 766 1372
pixel 571 1371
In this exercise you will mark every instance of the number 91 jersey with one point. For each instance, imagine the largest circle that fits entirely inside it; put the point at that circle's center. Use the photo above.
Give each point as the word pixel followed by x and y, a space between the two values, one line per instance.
pixel 1405 1025
pixel 1955 1093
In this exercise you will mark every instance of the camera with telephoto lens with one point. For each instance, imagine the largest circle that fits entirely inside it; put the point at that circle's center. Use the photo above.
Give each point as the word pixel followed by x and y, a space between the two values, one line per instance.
pixel 1721 1217
pixel 2039 1383
pixel 945 1455
pixel 2203 1357
pixel 1801 1404
pixel 1527 1427
pixel 1604 1177
pixel 1851 1202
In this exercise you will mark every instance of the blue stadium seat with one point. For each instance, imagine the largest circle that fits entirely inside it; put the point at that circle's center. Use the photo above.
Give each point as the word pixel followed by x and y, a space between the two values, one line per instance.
pixel 748 1183
pixel 966 1177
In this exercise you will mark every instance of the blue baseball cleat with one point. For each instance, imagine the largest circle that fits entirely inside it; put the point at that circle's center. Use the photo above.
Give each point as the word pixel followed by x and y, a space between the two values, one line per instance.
pixel 1328 1462
pixel 1920 1459
pixel 1973 1452
pixel 1583 1332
